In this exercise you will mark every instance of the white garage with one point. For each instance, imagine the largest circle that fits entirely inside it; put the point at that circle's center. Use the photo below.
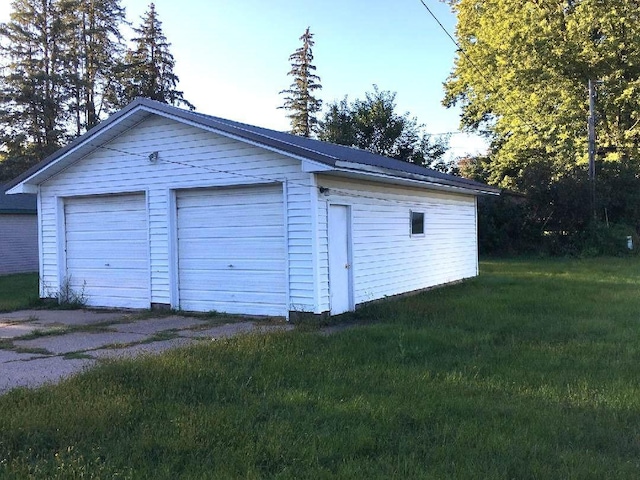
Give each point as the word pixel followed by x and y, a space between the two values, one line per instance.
pixel 231 250
pixel 159 206
pixel 107 249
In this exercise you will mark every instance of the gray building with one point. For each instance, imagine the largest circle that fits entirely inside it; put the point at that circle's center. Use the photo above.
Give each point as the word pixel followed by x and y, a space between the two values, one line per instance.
pixel 18 233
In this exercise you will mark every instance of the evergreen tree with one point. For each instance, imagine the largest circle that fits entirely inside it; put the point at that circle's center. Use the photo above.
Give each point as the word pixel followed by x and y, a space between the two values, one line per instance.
pixel 95 49
pixel 33 86
pixel 300 99
pixel 57 67
pixel 148 70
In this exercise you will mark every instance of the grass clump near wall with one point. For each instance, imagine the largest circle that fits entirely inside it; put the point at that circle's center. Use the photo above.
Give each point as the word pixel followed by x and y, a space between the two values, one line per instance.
pixel 529 371
pixel 18 291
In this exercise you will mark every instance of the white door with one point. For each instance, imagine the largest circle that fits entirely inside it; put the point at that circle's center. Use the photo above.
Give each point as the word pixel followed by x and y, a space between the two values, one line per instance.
pixel 231 250
pixel 107 249
pixel 339 264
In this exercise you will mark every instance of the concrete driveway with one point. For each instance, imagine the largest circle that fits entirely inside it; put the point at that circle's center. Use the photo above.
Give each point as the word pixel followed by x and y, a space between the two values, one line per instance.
pixel 44 346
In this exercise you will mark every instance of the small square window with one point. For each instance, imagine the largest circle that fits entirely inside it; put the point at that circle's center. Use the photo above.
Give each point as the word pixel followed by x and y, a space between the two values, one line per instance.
pixel 417 223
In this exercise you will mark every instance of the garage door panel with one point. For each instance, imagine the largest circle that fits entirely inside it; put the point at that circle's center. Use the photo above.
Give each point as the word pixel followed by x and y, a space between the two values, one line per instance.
pixel 245 264
pixel 204 213
pixel 248 308
pixel 106 227
pixel 226 197
pixel 232 230
pixel 97 264
pixel 114 280
pixel 242 227
pixel 237 281
pixel 234 247
pixel 107 249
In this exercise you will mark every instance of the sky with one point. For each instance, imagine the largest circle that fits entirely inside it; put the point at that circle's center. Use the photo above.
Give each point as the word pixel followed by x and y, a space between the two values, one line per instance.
pixel 232 55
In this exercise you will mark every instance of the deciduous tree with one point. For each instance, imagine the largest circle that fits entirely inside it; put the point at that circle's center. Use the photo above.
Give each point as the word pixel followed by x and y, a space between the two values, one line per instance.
pixel 373 124
pixel 521 77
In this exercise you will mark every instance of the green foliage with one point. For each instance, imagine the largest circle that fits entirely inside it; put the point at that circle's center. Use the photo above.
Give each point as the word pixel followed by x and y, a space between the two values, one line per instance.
pixel 556 215
pixel 300 100
pixel 148 68
pixel 18 291
pixel 529 371
pixel 62 70
pixel 524 72
pixel 521 78
pixel 94 46
pixel 373 124
pixel 33 83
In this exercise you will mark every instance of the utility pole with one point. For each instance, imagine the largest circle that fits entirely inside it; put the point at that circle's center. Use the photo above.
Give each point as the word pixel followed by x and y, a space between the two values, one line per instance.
pixel 592 144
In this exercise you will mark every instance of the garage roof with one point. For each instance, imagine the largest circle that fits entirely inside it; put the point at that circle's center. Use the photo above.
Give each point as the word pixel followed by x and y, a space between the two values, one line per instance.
pixel 335 157
pixel 23 203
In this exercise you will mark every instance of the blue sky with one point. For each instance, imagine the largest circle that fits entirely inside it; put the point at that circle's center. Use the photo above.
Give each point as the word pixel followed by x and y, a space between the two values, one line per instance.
pixel 232 55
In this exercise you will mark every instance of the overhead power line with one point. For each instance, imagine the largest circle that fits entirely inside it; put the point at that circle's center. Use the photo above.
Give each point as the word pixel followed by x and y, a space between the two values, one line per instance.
pixel 514 112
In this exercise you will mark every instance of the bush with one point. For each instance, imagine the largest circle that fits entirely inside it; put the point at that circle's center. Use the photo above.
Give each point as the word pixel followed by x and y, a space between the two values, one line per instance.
pixel 600 239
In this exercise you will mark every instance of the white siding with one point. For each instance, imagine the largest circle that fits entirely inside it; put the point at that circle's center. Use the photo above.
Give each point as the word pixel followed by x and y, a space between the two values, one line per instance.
pixel 18 243
pixel 189 157
pixel 386 259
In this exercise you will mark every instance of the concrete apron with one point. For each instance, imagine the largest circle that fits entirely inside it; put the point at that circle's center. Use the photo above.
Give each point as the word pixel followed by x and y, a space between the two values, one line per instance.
pixel 44 346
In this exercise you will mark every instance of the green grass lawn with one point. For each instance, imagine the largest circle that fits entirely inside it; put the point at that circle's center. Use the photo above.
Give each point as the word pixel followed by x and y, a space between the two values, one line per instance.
pixel 531 370
pixel 18 291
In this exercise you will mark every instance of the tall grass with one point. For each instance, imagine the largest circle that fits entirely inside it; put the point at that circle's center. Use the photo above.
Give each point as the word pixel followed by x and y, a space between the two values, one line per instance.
pixel 530 371
pixel 18 291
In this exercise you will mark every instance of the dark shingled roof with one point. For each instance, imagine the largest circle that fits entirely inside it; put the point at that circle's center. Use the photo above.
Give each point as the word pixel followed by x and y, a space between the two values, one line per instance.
pixel 21 203
pixel 325 153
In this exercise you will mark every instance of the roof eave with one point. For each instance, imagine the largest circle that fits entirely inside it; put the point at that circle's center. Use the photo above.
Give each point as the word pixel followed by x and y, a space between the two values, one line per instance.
pixel 434 183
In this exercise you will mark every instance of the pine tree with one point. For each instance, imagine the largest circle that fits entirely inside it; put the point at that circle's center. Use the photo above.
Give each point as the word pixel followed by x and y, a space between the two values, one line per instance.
pixel 300 99
pixel 33 86
pixel 149 66
pixel 95 50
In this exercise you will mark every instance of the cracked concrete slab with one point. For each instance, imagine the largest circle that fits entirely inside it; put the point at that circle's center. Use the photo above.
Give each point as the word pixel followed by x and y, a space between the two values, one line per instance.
pixel 19 329
pixel 79 341
pixel 221 331
pixel 154 326
pixel 35 373
pixel 11 356
pixel 231 329
pixel 21 369
pixel 62 317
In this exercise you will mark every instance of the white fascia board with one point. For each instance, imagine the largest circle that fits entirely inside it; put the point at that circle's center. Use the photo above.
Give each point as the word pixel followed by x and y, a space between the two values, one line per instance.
pixel 418 181
pixel 433 183
pixel 309 166
pixel 23 188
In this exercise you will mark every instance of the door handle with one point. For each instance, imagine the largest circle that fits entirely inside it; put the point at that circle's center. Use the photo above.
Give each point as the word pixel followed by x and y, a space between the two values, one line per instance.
pixel 347 265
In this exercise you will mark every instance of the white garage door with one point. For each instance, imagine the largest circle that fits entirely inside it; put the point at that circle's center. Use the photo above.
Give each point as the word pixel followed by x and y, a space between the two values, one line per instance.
pixel 107 249
pixel 231 250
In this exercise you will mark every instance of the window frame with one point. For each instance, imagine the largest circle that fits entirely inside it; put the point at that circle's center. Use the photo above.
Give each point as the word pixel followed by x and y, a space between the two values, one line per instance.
pixel 412 233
